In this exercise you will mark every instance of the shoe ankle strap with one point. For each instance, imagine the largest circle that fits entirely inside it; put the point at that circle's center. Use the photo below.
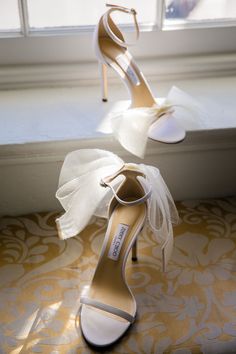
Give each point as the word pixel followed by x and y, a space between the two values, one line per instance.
pixel 106 182
pixel 109 31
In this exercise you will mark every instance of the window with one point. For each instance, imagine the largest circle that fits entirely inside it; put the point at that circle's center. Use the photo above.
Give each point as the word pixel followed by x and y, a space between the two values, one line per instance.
pixel 30 17
pixel 59 31
pixel 9 17
pixel 199 13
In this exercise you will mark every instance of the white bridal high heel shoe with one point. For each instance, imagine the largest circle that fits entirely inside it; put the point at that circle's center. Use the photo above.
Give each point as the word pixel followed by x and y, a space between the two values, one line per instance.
pixel 133 195
pixel 145 117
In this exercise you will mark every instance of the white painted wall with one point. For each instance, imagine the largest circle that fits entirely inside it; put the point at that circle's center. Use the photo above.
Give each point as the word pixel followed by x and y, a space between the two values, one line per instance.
pixel 201 167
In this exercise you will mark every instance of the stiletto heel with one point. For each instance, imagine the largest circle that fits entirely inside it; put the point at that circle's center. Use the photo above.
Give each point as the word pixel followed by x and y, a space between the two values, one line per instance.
pixel 134 251
pixel 104 83
pixel 145 118
pixel 108 307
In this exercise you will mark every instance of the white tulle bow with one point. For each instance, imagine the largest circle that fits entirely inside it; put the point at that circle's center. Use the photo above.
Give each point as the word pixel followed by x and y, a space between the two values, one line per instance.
pixel 82 196
pixel 131 126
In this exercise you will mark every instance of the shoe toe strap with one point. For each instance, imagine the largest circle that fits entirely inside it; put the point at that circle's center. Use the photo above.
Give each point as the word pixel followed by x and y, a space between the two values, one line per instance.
pixel 107 308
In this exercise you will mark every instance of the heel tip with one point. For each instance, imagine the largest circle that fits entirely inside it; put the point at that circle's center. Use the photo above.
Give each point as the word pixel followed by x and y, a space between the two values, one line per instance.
pixel 134 259
pixel 104 100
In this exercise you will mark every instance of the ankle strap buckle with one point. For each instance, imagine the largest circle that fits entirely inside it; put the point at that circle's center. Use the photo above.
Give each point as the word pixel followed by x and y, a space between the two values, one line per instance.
pixel 133 11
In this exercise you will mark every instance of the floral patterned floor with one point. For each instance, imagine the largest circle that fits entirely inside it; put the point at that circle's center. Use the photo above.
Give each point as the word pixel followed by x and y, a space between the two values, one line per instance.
pixel 189 309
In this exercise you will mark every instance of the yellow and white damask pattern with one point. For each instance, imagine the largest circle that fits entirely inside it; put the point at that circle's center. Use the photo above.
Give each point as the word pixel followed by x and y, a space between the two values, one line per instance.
pixel 189 309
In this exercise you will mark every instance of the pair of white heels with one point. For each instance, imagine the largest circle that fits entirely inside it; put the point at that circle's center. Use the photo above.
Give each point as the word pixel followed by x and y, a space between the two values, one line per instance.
pixel 97 182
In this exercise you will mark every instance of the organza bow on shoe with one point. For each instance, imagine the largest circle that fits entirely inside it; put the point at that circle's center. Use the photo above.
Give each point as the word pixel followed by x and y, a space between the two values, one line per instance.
pixel 161 122
pixel 82 196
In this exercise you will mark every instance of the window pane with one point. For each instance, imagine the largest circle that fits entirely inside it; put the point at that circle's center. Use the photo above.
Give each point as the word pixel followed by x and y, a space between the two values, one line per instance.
pixel 201 11
pixel 59 13
pixel 9 15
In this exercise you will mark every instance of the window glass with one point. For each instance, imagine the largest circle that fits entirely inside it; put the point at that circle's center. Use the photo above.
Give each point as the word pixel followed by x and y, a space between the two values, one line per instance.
pixel 9 15
pixel 199 11
pixel 67 13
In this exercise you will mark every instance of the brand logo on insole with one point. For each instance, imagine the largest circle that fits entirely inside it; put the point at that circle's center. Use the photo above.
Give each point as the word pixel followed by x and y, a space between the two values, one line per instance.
pixel 117 241
pixel 128 69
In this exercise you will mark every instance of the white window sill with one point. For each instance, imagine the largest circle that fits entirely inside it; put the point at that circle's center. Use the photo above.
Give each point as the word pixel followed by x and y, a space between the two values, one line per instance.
pixel 39 126
pixel 68 114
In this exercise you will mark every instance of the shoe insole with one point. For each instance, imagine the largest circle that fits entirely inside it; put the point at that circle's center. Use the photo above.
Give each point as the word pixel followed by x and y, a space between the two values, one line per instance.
pixel 108 285
pixel 122 62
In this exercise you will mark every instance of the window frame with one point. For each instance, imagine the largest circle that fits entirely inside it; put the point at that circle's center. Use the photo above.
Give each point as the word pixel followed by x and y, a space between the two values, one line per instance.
pixel 73 44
